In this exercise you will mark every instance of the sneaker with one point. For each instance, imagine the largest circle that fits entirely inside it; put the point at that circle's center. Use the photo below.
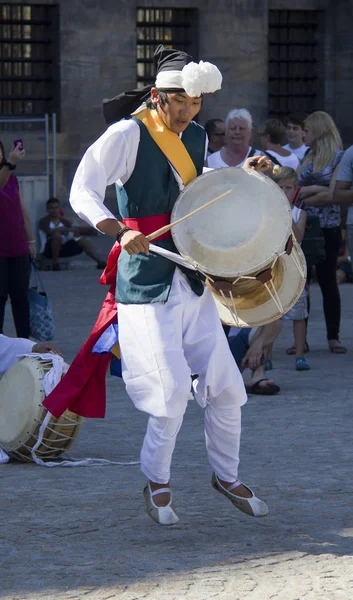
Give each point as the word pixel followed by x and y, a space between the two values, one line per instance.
pixel 301 364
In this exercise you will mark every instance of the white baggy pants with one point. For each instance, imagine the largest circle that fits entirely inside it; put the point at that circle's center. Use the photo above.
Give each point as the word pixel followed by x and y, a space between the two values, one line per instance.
pixel 162 345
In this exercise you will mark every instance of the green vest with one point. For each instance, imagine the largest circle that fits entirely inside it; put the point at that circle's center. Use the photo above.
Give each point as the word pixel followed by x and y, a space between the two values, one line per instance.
pixel 152 190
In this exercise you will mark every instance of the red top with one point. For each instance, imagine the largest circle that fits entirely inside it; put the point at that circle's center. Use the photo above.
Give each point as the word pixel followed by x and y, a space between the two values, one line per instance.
pixel 13 239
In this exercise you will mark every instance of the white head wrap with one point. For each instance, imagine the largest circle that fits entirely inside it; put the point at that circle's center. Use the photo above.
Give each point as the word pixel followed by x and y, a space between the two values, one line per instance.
pixel 195 78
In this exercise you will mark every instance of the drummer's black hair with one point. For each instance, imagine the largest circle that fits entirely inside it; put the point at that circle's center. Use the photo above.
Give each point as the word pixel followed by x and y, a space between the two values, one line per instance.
pixel 164 100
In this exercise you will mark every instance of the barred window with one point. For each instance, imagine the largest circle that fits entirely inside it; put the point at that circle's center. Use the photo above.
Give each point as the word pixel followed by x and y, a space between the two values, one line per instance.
pixel 173 27
pixel 29 60
pixel 295 54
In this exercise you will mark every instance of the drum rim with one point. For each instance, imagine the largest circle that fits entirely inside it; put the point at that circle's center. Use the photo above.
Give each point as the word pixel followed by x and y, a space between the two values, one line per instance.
pixel 20 446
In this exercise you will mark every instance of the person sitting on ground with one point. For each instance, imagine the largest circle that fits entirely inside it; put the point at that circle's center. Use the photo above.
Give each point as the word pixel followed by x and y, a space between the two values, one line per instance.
pixel 12 348
pixel 287 179
pixel 62 238
pixel 216 131
pixel 248 346
pixel 236 147
pixel 272 134
pixel 295 134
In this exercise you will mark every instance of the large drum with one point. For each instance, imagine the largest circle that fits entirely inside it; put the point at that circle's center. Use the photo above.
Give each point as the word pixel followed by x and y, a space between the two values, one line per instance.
pixel 240 233
pixel 243 244
pixel 22 413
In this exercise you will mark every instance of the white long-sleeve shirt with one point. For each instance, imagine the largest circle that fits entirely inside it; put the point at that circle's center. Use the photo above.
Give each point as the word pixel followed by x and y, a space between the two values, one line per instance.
pixel 10 349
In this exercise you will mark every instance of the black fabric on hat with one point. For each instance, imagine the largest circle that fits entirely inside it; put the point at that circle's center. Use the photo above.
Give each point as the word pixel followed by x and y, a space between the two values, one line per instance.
pixel 122 105
pixel 170 59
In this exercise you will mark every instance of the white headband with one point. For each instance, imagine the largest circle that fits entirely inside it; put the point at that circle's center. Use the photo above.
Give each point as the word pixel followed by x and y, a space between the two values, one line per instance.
pixel 195 78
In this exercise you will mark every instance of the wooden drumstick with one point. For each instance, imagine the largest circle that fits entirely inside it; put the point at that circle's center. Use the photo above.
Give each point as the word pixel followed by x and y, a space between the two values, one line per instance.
pixel 166 228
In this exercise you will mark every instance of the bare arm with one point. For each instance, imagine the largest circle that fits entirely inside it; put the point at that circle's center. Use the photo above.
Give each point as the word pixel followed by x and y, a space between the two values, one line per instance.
pixel 323 198
pixel 133 242
pixel 299 228
pixel 14 157
pixel 342 194
pixel 267 336
pixel 310 190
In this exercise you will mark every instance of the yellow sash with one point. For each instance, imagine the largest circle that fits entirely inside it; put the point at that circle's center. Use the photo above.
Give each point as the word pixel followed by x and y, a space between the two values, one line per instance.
pixel 170 144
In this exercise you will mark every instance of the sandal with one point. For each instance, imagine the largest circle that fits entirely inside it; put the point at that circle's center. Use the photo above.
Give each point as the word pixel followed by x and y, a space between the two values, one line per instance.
pixel 261 390
pixel 337 348
pixel 163 515
pixel 251 506
pixel 301 364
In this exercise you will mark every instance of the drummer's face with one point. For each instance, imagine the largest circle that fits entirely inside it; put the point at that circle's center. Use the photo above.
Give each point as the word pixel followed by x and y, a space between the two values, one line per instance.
pixel 179 111
pixel 238 132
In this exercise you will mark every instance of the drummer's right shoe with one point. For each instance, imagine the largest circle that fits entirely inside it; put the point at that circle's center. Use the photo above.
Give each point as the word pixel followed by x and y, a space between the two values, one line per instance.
pixel 163 515
pixel 251 506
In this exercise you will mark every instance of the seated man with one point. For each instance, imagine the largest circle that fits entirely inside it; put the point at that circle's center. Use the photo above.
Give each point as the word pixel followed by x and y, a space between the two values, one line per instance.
pixel 11 348
pixel 62 238
pixel 248 346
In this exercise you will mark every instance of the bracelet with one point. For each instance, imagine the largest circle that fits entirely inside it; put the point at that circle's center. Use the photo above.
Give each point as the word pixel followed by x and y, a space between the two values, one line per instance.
pixel 9 165
pixel 121 232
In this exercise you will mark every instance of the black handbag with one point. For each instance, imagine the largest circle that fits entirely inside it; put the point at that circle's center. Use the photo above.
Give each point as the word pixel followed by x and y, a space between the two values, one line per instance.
pixel 313 242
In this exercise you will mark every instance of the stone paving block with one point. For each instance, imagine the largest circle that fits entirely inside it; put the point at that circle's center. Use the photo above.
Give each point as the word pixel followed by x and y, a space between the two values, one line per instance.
pixel 83 533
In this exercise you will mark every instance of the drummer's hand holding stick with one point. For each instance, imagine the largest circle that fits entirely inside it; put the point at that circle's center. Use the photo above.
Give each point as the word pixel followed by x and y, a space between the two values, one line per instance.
pixel 258 163
pixel 134 242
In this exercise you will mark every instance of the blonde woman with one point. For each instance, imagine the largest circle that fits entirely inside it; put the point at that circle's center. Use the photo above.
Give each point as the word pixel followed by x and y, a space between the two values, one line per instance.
pixel 317 177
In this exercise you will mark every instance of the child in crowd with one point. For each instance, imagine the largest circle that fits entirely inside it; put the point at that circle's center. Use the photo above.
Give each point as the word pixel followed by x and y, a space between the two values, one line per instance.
pixel 295 134
pixel 287 179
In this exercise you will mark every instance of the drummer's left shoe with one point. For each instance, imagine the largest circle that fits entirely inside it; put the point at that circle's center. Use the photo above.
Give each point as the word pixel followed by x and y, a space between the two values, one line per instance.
pixel 252 506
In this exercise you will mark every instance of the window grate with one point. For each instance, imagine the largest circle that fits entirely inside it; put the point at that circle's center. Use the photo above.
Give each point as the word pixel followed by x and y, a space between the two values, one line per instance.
pixel 29 60
pixel 173 27
pixel 295 47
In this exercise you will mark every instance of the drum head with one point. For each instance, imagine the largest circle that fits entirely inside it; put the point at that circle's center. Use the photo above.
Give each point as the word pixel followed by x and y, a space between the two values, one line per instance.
pixel 291 285
pixel 238 234
pixel 21 396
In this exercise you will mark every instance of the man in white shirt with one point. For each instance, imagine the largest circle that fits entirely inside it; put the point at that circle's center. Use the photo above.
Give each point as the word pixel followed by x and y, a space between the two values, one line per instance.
pixel 272 133
pixel 12 348
pixel 295 135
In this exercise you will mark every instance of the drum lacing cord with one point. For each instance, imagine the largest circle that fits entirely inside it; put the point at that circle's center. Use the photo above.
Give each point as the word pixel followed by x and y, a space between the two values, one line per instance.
pixel 85 462
pixel 50 380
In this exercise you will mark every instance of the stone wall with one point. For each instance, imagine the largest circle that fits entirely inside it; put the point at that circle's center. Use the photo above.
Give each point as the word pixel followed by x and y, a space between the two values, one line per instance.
pixel 98 60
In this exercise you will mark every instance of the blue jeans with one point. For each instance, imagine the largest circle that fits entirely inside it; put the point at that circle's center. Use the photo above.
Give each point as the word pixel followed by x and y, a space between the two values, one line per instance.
pixel 239 344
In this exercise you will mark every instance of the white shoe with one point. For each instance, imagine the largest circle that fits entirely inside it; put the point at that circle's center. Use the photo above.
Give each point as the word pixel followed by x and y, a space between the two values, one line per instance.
pixel 251 506
pixel 163 515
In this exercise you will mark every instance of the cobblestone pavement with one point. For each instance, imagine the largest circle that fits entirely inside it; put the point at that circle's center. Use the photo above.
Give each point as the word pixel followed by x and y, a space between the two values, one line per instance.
pixel 83 533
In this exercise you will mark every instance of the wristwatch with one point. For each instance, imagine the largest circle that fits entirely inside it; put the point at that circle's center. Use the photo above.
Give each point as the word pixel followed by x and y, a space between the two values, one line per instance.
pixel 9 165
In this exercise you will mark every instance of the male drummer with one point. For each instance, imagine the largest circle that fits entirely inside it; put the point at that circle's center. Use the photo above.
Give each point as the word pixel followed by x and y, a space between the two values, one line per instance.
pixel 169 328
pixel 12 348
